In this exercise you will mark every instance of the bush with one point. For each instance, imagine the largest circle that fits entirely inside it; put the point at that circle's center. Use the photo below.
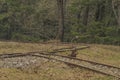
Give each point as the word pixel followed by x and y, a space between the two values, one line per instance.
pixel 21 37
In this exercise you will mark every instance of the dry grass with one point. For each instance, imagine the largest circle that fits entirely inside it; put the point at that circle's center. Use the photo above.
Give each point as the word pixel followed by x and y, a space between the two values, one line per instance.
pixel 56 70
pixel 102 53
pixel 14 47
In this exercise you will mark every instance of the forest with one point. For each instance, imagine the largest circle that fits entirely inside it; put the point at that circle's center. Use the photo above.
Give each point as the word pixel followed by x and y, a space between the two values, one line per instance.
pixel 85 21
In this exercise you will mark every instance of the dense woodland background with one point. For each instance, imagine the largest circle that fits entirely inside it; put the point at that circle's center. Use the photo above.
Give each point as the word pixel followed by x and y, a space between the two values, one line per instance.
pixel 93 21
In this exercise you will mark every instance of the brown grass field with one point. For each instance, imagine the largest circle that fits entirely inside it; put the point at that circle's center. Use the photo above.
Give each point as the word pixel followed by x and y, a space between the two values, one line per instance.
pixel 56 70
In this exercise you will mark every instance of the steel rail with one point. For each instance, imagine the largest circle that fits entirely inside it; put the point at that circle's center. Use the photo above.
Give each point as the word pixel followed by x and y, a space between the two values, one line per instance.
pixel 91 65
pixel 81 66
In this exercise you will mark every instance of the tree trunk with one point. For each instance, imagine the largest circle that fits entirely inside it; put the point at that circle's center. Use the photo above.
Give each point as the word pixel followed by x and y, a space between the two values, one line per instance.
pixel 60 34
pixel 119 15
pixel 100 12
pixel 86 15
pixel 116 13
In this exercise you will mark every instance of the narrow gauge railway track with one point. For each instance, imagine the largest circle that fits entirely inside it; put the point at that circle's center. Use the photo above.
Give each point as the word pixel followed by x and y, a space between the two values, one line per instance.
pixel 51 52
pixel 94 66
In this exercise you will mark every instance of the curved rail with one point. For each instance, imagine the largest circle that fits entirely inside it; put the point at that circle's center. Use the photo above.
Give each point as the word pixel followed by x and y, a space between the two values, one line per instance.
pixel 91 65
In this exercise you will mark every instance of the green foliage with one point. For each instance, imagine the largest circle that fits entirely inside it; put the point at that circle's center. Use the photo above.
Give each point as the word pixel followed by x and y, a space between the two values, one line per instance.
pixel 24 38
pixel 34 20
pixel 96 32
